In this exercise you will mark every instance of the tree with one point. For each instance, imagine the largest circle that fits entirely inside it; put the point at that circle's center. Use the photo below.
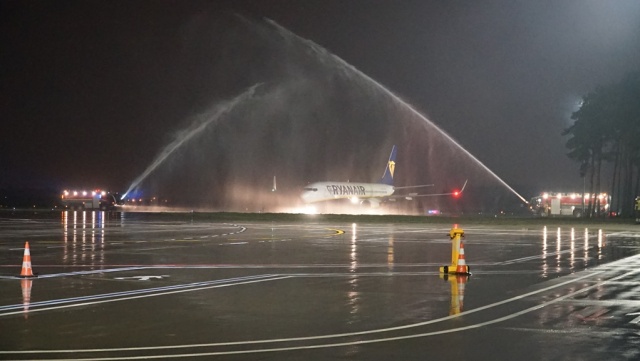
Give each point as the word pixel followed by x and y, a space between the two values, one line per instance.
pixel 607 128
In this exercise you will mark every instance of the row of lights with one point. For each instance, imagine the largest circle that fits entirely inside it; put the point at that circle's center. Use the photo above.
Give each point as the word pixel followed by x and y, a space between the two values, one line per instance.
pixel 153 199
pixel 574 195
pixel 67 193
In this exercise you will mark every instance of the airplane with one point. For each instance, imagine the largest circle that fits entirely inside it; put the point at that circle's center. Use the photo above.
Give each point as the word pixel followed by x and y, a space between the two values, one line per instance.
pixel 372 193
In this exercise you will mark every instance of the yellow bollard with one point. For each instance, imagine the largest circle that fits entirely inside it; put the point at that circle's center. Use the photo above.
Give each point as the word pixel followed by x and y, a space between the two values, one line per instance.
pixel 458 265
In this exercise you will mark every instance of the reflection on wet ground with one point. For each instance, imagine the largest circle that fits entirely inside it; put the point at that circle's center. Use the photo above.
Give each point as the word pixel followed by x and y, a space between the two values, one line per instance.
pixel 122 285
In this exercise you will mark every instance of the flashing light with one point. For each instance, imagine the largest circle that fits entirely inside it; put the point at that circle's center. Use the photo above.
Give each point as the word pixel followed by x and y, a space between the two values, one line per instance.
pixel 355 200
pixel 456 194
pixel 545 195
pixel 75 193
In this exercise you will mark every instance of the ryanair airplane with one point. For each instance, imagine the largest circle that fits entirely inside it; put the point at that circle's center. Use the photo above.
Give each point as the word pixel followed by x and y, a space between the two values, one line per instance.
pixel 373 193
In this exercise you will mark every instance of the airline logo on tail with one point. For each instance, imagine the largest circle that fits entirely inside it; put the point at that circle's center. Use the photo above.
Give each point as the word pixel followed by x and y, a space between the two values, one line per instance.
pixel 387 177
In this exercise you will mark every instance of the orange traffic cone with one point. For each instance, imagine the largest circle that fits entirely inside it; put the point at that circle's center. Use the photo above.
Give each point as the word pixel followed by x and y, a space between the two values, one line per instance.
pixel 26 263
pixel 461 267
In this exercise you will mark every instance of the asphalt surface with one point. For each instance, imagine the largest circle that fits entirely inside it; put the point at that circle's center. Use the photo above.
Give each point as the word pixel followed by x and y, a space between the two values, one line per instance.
pixel 139 286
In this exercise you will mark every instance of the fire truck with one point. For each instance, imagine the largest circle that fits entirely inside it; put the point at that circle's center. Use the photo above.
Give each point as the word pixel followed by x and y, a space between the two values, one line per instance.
pixel 567 204
pixel 95 199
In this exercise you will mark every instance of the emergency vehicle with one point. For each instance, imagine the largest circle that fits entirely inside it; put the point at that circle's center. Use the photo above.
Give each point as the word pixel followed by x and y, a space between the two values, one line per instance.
pixel 567 204
pixel 95 199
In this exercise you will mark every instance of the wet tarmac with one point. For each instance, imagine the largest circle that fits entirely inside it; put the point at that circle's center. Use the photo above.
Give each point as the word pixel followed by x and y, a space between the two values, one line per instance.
pixel 133 286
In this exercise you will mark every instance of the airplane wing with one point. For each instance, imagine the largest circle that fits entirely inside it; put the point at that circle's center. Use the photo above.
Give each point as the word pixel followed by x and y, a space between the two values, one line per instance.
pixel 420 186
pixel 410 196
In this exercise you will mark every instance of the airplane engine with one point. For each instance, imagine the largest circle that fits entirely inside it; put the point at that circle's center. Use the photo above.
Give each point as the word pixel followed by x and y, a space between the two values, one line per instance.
pixel 373 203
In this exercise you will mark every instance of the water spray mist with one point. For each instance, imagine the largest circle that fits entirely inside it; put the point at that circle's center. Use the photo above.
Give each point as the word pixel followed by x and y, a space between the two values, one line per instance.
pixel 346 66
pixel 202 121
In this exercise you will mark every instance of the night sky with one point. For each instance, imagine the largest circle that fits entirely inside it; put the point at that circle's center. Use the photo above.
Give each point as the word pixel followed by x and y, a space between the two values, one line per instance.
pixel 91 91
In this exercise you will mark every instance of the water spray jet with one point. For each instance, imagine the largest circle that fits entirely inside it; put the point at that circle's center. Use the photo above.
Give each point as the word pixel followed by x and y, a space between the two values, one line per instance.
pixel 201 122
pixel 320 51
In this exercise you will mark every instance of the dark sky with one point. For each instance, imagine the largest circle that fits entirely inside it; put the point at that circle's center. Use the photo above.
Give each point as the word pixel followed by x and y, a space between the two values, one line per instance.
pixel 91 91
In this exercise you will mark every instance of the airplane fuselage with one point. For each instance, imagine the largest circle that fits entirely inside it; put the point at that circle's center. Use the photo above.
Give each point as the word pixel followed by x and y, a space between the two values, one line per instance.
pixel 325 191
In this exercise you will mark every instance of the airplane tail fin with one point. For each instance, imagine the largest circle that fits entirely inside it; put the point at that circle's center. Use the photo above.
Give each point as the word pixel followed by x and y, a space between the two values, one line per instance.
pixel 387 177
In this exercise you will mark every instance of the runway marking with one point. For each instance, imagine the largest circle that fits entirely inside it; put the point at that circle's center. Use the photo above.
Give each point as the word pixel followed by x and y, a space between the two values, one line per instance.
pixel 80 273
pixel 345 343
pixel 337 232
pixel 339 344
pixel 343 335
pixel 141 278
pixel 530 258
pixel 610 303
pixel 156 248
pixel 275 266
pixel 596 316
pixel 136 294
pixel 635 320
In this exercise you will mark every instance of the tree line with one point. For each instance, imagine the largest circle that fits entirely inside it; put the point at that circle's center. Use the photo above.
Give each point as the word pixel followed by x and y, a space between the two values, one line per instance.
pixel 606 129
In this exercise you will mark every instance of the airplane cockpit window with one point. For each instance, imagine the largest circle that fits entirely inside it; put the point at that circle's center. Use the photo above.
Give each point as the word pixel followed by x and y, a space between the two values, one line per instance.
pixel 311 189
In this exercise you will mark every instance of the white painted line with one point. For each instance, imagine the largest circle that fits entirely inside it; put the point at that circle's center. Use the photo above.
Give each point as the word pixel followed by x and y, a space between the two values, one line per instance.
pixel 153 292
pixel 635 320
pixel 350 343
pixel 351 334
pixel 141 278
